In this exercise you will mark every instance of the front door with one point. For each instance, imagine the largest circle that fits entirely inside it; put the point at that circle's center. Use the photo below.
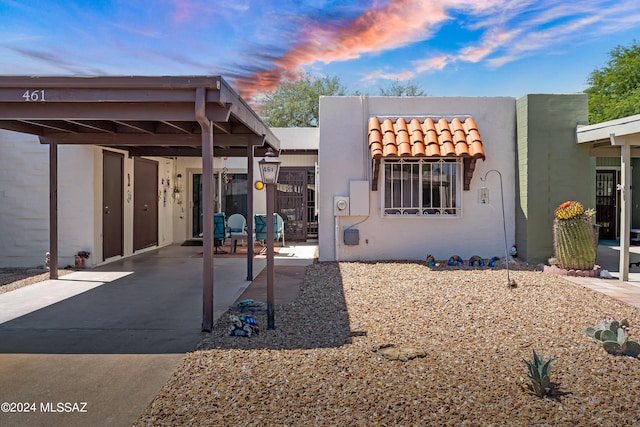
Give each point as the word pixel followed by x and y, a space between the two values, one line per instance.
pixel 145 203
pixel 112 212
pixel 291 202
pixel 606 211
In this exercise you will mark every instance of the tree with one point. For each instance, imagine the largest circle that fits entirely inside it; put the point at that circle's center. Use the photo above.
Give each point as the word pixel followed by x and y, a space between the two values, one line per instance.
pixel 397 89
pixel 296 103
pixel 614 90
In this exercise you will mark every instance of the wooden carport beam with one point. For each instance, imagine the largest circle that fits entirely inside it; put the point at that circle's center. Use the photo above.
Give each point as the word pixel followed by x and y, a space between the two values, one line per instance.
pixel 53 210
pixel 207 211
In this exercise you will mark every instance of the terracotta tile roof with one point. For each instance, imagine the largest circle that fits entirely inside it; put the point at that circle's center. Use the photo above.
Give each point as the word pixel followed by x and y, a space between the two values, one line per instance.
pixel 425 137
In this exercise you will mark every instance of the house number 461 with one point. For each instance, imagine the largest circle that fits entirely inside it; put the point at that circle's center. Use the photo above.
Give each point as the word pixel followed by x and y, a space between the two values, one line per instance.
pixel 33 95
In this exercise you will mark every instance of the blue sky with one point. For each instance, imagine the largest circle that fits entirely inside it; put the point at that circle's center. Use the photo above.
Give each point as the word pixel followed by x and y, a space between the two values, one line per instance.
pixel 447 47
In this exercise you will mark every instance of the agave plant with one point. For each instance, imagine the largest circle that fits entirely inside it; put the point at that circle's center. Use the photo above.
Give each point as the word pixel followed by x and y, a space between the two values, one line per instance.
pixel 540 375
pixel 614 336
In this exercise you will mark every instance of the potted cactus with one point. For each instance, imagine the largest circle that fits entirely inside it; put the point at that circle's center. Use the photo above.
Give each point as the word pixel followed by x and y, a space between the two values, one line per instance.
pixel 573 237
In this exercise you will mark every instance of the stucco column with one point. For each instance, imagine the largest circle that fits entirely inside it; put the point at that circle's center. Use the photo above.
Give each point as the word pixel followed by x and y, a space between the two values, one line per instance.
pixel 625 206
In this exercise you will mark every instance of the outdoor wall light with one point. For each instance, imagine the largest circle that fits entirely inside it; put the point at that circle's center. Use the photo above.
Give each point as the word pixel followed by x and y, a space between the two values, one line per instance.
pixel 269 167
pixel 483 195
pixel 259 185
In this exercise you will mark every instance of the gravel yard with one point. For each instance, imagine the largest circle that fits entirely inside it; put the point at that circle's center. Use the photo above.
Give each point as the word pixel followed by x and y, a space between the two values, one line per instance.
pixel 16 278
pixel 318 366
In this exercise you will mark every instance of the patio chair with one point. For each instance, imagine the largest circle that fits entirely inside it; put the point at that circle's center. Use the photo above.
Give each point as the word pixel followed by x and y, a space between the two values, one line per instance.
pixel 220 232
pixel 237 223
pixel 237 229
pixel 261 227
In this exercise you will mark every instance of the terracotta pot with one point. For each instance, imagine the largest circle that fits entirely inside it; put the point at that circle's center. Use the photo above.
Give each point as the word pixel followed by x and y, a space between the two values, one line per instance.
pixel 79 262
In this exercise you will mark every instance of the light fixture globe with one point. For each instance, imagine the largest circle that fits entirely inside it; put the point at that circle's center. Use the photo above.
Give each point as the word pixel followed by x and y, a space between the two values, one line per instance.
pixel 269 167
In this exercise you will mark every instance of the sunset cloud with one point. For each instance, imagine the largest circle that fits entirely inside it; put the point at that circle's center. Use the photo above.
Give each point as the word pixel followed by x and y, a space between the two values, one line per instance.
pixel 396 24
pixel 258 44
pixel 545 26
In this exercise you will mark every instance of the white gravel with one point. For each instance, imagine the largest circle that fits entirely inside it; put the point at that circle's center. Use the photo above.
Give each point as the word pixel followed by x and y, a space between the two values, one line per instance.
pixel 318 366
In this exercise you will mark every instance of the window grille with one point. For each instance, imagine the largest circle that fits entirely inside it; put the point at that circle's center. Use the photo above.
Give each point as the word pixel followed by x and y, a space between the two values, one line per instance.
pixel 422 187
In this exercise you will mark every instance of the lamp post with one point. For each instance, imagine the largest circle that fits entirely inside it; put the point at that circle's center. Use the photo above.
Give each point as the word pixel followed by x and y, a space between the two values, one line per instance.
pixel 483 199
pixel 269 169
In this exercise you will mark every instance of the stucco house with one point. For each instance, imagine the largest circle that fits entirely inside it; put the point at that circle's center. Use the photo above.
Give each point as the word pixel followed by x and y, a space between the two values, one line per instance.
pixel 382 178
pixel 411 187
pixel 24 174
pixel 118 165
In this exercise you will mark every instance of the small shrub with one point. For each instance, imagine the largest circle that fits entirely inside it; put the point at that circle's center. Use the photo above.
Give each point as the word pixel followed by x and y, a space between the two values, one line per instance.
pixel 540 376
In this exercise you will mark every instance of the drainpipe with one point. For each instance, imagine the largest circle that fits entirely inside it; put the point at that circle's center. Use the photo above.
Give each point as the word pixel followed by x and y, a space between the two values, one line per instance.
pixel 207 191
pixel 336 238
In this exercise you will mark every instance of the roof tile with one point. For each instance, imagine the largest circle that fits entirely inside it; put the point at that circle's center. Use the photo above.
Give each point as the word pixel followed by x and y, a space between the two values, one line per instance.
pixel 455 138
pixel 417 138
pixel 425 138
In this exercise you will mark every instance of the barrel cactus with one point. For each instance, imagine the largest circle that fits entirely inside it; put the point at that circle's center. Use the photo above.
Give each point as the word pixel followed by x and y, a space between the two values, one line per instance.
pixel 573 240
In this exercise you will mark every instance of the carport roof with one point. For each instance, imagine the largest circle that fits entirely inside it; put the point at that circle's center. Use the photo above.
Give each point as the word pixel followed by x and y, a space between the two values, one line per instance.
pixel 145 115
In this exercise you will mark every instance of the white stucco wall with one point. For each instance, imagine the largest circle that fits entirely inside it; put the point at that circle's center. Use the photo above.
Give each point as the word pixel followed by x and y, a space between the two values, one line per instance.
pixel 24 201
pixel 344 156
pixel 297 138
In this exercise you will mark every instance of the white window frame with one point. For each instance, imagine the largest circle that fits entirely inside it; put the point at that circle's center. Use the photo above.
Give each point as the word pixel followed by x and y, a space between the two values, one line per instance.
pixel 410 203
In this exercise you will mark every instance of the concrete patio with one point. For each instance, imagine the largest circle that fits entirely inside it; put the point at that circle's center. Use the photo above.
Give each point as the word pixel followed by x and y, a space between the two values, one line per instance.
pixel 608 257
pixel 111 336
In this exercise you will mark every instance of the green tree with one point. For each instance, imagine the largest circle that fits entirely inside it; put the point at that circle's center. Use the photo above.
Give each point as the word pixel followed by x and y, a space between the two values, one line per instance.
pixel 296 103
pixel 614 90
pixel 397 89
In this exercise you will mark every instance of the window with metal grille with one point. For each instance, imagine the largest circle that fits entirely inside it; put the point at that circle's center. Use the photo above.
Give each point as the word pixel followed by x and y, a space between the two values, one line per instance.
pixel 421 187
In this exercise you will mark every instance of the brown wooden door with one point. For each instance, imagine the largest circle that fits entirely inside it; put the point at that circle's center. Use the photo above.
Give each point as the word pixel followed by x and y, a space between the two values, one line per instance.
pixel 606 204
pixel 112 209
pixel 145 203
pixel 291 198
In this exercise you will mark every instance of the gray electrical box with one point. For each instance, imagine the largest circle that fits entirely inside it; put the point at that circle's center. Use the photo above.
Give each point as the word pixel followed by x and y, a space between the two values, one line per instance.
pixel 359 195
pixel 351 236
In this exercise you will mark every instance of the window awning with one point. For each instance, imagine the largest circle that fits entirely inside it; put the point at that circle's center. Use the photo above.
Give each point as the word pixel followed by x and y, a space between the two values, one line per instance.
pixel 426 136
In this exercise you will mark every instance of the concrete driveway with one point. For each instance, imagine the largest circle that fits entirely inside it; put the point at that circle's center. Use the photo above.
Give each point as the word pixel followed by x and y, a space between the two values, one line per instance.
pixel 95 347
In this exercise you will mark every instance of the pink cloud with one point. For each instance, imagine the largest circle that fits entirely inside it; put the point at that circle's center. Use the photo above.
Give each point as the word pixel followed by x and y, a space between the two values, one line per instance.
pixel 183 10
pixel 394 25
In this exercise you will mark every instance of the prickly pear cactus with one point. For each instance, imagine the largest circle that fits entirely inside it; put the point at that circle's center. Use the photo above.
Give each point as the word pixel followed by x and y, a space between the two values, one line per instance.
pixel 614 337
pixel 573 237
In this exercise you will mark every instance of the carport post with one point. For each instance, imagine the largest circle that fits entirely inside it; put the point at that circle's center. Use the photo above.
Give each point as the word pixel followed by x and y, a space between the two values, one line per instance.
pixel 249 212
pixel 207 211
pixel 53 209
pixel 625 202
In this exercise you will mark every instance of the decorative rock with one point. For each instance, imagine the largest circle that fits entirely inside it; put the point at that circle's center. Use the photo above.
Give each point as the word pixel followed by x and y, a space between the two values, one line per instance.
pixel 391 352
